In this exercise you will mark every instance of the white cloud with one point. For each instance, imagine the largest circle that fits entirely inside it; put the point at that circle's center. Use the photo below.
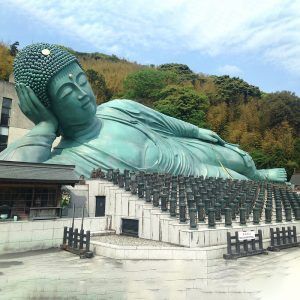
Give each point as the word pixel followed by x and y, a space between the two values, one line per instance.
pixel 269 29
pixel 229 70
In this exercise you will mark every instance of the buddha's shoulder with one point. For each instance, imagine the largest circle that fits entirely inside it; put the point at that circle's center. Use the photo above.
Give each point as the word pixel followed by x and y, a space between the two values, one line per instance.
pixel 121 104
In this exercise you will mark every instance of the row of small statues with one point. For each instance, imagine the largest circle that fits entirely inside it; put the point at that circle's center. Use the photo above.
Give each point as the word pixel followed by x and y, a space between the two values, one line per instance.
pixel 203 198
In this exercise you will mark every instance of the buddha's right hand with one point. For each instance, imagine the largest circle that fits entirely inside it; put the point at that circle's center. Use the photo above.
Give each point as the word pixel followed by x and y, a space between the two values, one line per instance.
pixel 210 136
pixel 34 110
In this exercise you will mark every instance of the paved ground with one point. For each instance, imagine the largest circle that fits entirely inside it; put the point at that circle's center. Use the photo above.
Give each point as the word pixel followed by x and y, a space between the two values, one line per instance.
pixel 61 275
pixel 123 240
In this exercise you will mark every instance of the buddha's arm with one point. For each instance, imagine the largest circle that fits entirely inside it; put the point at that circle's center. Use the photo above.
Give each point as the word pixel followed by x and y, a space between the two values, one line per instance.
pixel 162 123
pixel 35 146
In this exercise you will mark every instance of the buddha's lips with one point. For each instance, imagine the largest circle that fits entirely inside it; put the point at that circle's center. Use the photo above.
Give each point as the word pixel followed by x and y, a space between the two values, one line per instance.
pixel 85 104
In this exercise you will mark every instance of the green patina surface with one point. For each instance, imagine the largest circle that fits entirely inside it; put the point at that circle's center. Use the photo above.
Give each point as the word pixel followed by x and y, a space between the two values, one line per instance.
pixel 55 95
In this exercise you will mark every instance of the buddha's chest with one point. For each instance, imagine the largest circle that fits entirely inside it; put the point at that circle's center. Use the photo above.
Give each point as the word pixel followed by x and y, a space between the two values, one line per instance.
pixel 127 143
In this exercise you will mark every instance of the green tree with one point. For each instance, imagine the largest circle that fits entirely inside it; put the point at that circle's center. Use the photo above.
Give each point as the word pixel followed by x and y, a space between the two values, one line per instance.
pixel 234 89
pixel 14 48
pixel 183 71
pixel 98 84
pixel 6 62
pixel 183 103
pixel 145 85
pixel 279 107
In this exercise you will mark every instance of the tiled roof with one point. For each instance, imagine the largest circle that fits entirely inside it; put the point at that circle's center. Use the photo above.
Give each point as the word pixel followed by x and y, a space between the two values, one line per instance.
pixel 37 172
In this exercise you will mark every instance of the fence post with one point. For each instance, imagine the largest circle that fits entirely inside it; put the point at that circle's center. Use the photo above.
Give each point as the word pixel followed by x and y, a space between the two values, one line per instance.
pixel 260 239
pixel 87 239
pixel 65 235
pixel 70 237
pixel 283 235
pixel 272 236
pixel 289 234
pixel 253 243
pixel 81 239
pixel 237 243
pixel 278 241
pixel 75 244
pixel 245 245
pixel 295 234
pixel 229 250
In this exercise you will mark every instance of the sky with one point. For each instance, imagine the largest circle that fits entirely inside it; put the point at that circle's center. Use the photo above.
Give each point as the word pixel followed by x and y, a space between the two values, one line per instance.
pixel 256 40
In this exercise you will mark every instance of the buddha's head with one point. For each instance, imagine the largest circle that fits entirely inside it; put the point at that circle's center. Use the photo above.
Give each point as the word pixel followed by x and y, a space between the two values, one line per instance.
pixel 59 82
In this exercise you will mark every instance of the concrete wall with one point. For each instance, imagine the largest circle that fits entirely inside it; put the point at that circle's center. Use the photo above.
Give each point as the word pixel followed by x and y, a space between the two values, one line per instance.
pixel 34 235
pixel 79 197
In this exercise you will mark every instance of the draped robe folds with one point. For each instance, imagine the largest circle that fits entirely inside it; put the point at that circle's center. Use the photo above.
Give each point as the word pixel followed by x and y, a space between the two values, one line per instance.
pixel 135 137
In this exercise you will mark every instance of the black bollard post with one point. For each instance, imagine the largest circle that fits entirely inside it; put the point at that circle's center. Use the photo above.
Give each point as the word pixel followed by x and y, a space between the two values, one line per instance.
pixel 127 183
pixel 115 177
pixel 207 205
pixel 182 210
pixel 233 215
pixel 193 216
pixel 218 212
pixel 288 214
pixel 109 174
pixel 247 211
pixel 126 173
pixel 133 185
pixel 297 213
pixel 141 190
pixel 228 218
pixel 121 180
pixel 268 214
pixel 173 205
pixel 201 212
pixel 163 201
pixel 155 197
pixel 148 194
pixel 243 216
pixel 278 214
pixel 256 211
pixel 190 197
pixel 211 218
pixel 198 199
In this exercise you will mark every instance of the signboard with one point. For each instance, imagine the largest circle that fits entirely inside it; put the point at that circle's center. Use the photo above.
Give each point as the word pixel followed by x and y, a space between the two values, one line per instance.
pixel 246 235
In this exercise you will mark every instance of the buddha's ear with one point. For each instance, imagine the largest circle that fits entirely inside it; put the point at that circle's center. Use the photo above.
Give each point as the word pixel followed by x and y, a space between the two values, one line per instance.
pixel 59 131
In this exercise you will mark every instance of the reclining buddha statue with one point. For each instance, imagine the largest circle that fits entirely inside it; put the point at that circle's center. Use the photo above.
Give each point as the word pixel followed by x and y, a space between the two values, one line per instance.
pixel 55 95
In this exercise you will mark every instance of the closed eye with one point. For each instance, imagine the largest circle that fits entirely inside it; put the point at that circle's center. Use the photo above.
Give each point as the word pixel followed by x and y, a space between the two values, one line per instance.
pixel 65 90
pixel 81 79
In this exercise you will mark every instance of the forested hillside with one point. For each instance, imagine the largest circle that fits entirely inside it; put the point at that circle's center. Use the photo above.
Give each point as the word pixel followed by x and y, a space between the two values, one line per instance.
pixel 264 124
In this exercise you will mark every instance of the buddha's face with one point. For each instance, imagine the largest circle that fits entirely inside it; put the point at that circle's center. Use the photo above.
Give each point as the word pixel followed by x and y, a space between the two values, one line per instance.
pixel 72 99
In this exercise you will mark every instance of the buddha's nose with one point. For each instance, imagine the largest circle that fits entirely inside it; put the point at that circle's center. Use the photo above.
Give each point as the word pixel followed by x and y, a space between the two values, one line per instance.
pixel 84 95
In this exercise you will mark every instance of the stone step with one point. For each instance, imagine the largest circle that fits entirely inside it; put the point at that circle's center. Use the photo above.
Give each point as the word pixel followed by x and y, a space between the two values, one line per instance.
pixel 102 233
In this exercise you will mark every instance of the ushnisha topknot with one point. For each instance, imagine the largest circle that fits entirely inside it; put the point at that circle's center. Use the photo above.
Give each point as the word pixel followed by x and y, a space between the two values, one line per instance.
pixel 36 64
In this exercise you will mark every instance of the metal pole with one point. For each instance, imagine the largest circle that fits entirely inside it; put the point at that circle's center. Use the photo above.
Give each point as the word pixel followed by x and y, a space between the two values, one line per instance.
pixel 82 218
pixel 73 216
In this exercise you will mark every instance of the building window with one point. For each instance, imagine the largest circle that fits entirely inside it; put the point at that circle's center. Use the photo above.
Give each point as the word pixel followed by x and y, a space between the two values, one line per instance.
pixel 5 112
pixel 3 142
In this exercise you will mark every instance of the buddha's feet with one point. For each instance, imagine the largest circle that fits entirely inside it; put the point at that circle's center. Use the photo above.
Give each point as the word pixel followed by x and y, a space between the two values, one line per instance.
pixel 277 174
